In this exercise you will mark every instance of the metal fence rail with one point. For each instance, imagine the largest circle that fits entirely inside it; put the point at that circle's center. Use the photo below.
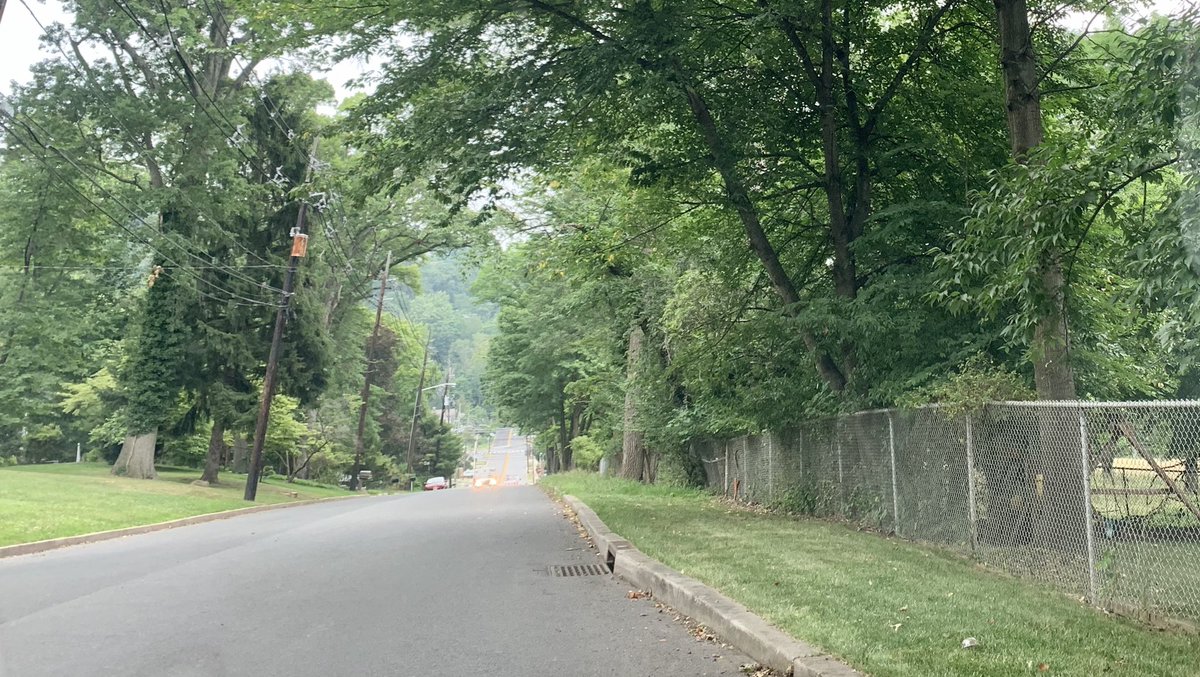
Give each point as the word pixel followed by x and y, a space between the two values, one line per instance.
pixel 1099 499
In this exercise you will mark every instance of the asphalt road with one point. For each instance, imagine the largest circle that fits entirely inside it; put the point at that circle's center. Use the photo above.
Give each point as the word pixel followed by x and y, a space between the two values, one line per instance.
pixel 443 583
pixel 505 459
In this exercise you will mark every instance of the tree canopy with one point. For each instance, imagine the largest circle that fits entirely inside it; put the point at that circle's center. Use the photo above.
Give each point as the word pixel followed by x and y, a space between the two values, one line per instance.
pixel 629 224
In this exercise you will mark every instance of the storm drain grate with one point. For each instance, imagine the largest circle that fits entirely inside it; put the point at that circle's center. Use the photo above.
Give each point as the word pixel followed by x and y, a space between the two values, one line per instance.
pixel 561 570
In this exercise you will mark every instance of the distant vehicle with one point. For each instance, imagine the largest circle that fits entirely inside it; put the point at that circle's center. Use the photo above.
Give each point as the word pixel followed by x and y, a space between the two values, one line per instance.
pixel 436 483
pixel 468 473
pixel 485 482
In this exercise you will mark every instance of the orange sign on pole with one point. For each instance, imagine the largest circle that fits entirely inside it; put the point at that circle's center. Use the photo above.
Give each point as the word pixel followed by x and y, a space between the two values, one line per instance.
pixel 300 245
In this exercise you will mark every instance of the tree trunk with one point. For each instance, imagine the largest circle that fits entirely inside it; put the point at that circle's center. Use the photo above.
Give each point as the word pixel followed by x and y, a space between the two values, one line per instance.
pixel 241 454
pixel 1059 517
pixel 1052 371
pixel 137 456
pixel 845 280
pixel 633 443
pixel 575 430
pixel 563 437
pixel 216 448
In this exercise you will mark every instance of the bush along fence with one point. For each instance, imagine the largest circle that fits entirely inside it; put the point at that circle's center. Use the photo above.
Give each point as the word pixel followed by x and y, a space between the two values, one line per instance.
pixel 1098 499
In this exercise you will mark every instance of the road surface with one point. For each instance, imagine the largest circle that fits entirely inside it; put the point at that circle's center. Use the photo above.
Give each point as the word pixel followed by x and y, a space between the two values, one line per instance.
pixel 505 459
pixel 442 583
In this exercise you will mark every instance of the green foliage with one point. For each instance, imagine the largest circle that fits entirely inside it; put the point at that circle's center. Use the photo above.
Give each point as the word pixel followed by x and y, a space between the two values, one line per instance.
pixel 186 451
pixel 440 450
pixel 157 367
pixel 898 244
pixel 975 383
pixel 587 452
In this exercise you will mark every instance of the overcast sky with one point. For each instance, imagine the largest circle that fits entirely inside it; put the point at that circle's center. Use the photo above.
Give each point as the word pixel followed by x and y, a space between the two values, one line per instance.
pixel 20 45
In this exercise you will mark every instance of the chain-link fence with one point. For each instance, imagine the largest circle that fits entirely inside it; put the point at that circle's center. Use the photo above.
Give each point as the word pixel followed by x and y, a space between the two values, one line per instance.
pixel 1098 499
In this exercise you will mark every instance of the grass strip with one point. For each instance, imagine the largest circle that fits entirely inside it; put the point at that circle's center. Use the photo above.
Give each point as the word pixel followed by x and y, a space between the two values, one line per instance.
pixel 39 502
pixel 887 607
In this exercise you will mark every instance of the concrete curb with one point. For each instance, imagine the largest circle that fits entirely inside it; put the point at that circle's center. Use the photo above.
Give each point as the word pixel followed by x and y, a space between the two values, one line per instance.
pixel 729 620
pixel 82 539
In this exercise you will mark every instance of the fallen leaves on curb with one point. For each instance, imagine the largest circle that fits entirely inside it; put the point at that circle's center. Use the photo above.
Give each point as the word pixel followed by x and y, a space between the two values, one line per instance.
pixel 637 594
pixel 568 513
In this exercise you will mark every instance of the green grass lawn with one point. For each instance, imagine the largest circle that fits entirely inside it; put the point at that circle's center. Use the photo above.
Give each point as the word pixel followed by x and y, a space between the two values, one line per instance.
pixel 890 608
pixel 38 502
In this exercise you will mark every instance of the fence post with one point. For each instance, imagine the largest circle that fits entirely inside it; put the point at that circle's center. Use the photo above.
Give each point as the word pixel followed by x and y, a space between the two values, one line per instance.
pixel 726 468
pixel 800 455
pixel 971 486
pixel 1087 509
pixel 892 453
pixel 770 466
pixel 745 464
pixel 837 437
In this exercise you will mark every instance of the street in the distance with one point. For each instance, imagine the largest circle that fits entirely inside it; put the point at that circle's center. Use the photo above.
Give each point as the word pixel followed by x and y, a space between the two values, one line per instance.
pixel 502 456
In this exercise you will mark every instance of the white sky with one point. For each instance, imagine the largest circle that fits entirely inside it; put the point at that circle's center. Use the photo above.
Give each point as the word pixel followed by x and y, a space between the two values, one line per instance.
pixel 20 45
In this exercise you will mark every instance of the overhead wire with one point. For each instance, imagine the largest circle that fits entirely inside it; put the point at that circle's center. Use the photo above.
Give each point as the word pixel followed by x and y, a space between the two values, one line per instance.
pixel 328 196
pixel 166 235
pixel 132 138
pixel 12 133
pixel 275 114
pixel 189 78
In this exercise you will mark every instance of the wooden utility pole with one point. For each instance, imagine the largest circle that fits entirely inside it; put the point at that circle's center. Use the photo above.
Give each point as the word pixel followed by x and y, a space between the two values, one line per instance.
pixel 437 446
pixel 366 389
pixel 299 249
pixel 411 458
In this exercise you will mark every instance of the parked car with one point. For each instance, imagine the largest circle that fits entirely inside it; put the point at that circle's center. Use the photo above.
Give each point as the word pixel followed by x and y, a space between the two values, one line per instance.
pixel 436 483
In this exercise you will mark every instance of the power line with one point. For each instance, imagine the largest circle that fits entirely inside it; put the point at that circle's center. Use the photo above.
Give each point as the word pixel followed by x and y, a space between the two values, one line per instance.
pixel 127 269
pixel 275 114
pixel 137 238
pixel 243 302
pixel 189 79
pixel 187 84
pixel 166 235
pixel 132 138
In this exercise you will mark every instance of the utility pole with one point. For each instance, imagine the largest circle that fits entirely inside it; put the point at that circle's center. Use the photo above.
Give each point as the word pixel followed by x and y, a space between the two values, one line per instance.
pixel 446 394
pixel 366 390
pixel 437 446
pixel 412 433
pixel 299 249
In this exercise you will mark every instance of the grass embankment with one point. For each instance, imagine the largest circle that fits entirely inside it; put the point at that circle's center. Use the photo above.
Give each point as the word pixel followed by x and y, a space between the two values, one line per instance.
pixel 890 608
pixel 38 502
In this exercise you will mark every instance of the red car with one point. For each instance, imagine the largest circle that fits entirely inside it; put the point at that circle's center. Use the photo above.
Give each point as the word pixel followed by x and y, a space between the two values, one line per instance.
pixel 436 483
